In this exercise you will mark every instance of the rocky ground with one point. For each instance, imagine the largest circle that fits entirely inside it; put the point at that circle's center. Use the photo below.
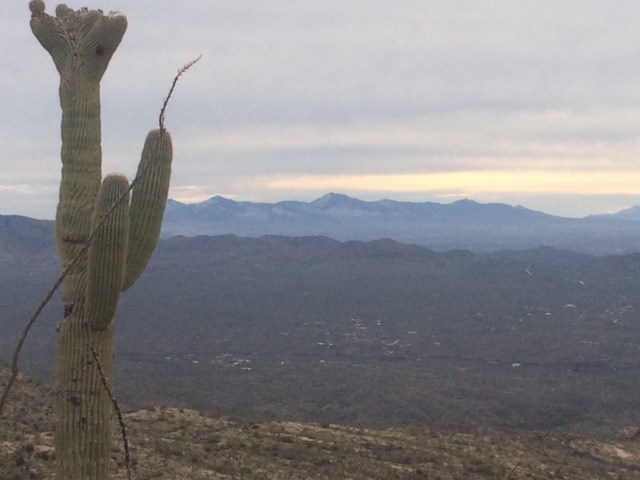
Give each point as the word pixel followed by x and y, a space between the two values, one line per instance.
pixel 171 443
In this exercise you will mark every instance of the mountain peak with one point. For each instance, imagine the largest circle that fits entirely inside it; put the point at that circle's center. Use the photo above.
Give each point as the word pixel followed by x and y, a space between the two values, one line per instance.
pixel 334 199
pixel 465 201
pixel 217 199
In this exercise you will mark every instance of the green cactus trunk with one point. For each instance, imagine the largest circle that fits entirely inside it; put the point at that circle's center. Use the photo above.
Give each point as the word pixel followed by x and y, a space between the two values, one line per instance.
pixel 120 237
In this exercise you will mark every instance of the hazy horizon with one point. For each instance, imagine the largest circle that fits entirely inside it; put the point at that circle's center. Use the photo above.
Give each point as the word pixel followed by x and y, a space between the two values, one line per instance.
pixel 371 199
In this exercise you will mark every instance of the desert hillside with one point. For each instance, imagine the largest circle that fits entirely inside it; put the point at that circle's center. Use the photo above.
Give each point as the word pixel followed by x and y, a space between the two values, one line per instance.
pixel 170 443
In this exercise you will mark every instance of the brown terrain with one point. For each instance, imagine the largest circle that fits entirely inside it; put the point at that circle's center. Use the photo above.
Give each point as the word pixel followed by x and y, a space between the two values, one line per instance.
pixel 177 443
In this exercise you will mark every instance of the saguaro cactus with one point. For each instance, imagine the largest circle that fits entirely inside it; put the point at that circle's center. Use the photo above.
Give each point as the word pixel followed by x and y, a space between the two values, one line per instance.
pixel 121 233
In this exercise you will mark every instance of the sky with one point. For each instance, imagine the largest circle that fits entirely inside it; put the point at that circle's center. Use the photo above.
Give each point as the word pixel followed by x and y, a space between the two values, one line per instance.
pixel 529 102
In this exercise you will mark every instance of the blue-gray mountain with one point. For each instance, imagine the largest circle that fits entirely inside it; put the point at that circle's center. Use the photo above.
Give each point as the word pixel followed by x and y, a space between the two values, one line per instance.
pixel 464 224
pixel 631 213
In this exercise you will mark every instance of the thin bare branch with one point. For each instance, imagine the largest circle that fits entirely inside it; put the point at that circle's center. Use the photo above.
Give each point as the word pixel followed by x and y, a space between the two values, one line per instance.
pixel 563 463
pixel 23 337
pixel 173 86
pixel 512 471
pixel 116 408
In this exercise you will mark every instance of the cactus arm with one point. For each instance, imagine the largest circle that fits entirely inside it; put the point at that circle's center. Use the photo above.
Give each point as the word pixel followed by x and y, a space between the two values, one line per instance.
pixel 148 201
pixel 107 253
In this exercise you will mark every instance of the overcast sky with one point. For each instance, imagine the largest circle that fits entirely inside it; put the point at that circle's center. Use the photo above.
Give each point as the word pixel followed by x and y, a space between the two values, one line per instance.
pixel 531 102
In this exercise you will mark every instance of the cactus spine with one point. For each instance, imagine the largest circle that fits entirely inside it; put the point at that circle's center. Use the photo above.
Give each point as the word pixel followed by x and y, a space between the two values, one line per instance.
pixel 81 44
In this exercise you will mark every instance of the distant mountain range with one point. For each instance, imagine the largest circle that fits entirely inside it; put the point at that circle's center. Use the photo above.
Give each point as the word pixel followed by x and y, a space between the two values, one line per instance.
pixel 464 224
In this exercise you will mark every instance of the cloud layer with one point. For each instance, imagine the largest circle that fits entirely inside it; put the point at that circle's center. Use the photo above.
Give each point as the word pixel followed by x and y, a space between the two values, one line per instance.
pixel 424 100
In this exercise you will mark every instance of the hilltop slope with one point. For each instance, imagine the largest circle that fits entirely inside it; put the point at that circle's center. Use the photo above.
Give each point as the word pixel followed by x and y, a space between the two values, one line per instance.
pixel 170 443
